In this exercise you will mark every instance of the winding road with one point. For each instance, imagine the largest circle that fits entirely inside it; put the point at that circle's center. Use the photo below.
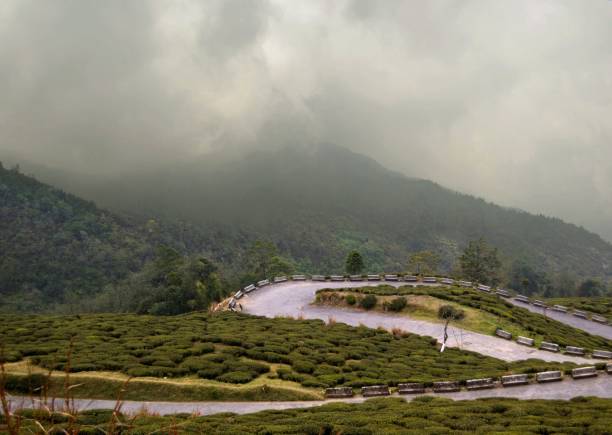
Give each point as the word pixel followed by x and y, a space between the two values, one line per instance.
pixel 564 390
pixel 294 299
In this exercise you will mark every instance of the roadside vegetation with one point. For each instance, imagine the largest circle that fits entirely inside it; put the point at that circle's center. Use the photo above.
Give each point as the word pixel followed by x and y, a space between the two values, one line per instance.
pixel 483 312
pixel 235 349
pixel 424 415
pixel 601 305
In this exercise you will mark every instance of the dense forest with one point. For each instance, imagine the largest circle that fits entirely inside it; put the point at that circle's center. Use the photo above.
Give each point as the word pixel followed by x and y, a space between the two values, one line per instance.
pixel 318 203
pixel 231 221
pixel 57 249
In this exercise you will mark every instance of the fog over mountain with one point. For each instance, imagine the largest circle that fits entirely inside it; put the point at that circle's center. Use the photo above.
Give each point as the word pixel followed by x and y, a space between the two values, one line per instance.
pixel 511 101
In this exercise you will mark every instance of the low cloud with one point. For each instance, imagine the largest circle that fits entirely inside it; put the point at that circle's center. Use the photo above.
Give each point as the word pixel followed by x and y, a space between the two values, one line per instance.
pixel 506 100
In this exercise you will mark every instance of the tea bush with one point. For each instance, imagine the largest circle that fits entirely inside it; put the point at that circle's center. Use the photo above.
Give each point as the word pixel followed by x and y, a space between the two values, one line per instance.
pixel 368 302
pixel 424 415
pixel 237 348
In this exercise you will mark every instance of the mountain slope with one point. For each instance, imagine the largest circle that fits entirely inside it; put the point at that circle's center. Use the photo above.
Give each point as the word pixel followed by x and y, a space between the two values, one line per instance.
pixel 55 247
pixel 319 202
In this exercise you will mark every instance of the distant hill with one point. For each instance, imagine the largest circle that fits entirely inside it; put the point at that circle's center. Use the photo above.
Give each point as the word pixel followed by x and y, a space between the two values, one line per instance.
pixel 55 247
pixel 317 203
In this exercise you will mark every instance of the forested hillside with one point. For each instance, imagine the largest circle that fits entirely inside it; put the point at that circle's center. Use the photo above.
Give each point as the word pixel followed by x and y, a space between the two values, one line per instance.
pixel 318 203
pixel 56 248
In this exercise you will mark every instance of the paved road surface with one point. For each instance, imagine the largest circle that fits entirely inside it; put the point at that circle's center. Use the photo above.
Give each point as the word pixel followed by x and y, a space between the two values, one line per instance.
pixel 600 387
pixel 294 299
pixel 586 325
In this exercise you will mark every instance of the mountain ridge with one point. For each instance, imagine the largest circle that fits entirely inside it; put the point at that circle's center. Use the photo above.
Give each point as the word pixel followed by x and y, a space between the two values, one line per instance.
pixel 318 202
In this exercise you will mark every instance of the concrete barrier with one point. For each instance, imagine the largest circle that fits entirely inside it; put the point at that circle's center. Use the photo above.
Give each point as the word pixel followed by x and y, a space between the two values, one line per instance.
pixel 580 314
pixel 373 277
pixel 502 292
pixel 299 277
pixel 525 341
pixel 375 390
pixel 573 350
pixel 318 277
pixel 480 384
pixel 514 380
pixel 551 347
pixel 599 319
pixel 411 278
pixel 337 278
pixel 559 308
pixel 603 354
pixel 232 304
pixel 447 281
pixel 551 376
pixel 503 334
pixel 540 304
pixel 465 283
pixel 356 278
pixel 584 372
pixel 446 387
pixel 391 278
pixel 411 388
pixel 280 279
pixel 249 288
pixel 484 288
pixel 338 392
pixel 522 298
pixel 609 368
pixel 430 279
pixel 263 283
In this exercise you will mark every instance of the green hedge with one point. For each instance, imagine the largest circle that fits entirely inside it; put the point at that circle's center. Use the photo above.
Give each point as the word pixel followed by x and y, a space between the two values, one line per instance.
pixel 424 415
pixel 236 348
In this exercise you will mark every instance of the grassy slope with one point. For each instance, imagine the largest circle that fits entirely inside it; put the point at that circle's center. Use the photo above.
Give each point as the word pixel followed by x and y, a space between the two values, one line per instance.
pixel 425 307
pixel 22 379
pixel 424 415
pixel 234 348
pixel 515 319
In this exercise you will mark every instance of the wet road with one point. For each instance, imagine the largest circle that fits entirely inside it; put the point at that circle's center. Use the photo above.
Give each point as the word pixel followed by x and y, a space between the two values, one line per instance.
pixel 294 299
pixel 566 389
pixel 586 325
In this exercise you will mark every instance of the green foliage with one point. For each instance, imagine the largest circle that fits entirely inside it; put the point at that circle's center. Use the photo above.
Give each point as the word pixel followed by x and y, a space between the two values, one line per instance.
pixel 354 263
pixel 236 348
pixel 396 305
pixel 368 302
pixel 423 415
pixel 351 300
pixel 526 280
pixel 480 263
pixel 599 305
pixel 60 251
pixel 424 263
pixel 541 327
pixel 449 312
pixel 591 288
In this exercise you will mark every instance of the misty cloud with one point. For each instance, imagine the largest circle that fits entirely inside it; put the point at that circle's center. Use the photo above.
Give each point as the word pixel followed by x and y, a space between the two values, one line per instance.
pixel 507 100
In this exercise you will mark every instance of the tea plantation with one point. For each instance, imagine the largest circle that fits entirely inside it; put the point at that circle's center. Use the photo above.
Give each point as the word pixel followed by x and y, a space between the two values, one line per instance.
pixel 537 325
pixel 599 305
pixel 424 415
pixel 237 348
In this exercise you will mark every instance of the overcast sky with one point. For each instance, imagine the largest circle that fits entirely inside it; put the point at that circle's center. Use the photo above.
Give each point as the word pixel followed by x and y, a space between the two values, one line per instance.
pixel 508 100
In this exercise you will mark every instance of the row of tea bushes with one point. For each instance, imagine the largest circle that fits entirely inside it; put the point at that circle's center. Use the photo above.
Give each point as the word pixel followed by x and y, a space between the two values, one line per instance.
pixel 236 348
pixel 424 415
